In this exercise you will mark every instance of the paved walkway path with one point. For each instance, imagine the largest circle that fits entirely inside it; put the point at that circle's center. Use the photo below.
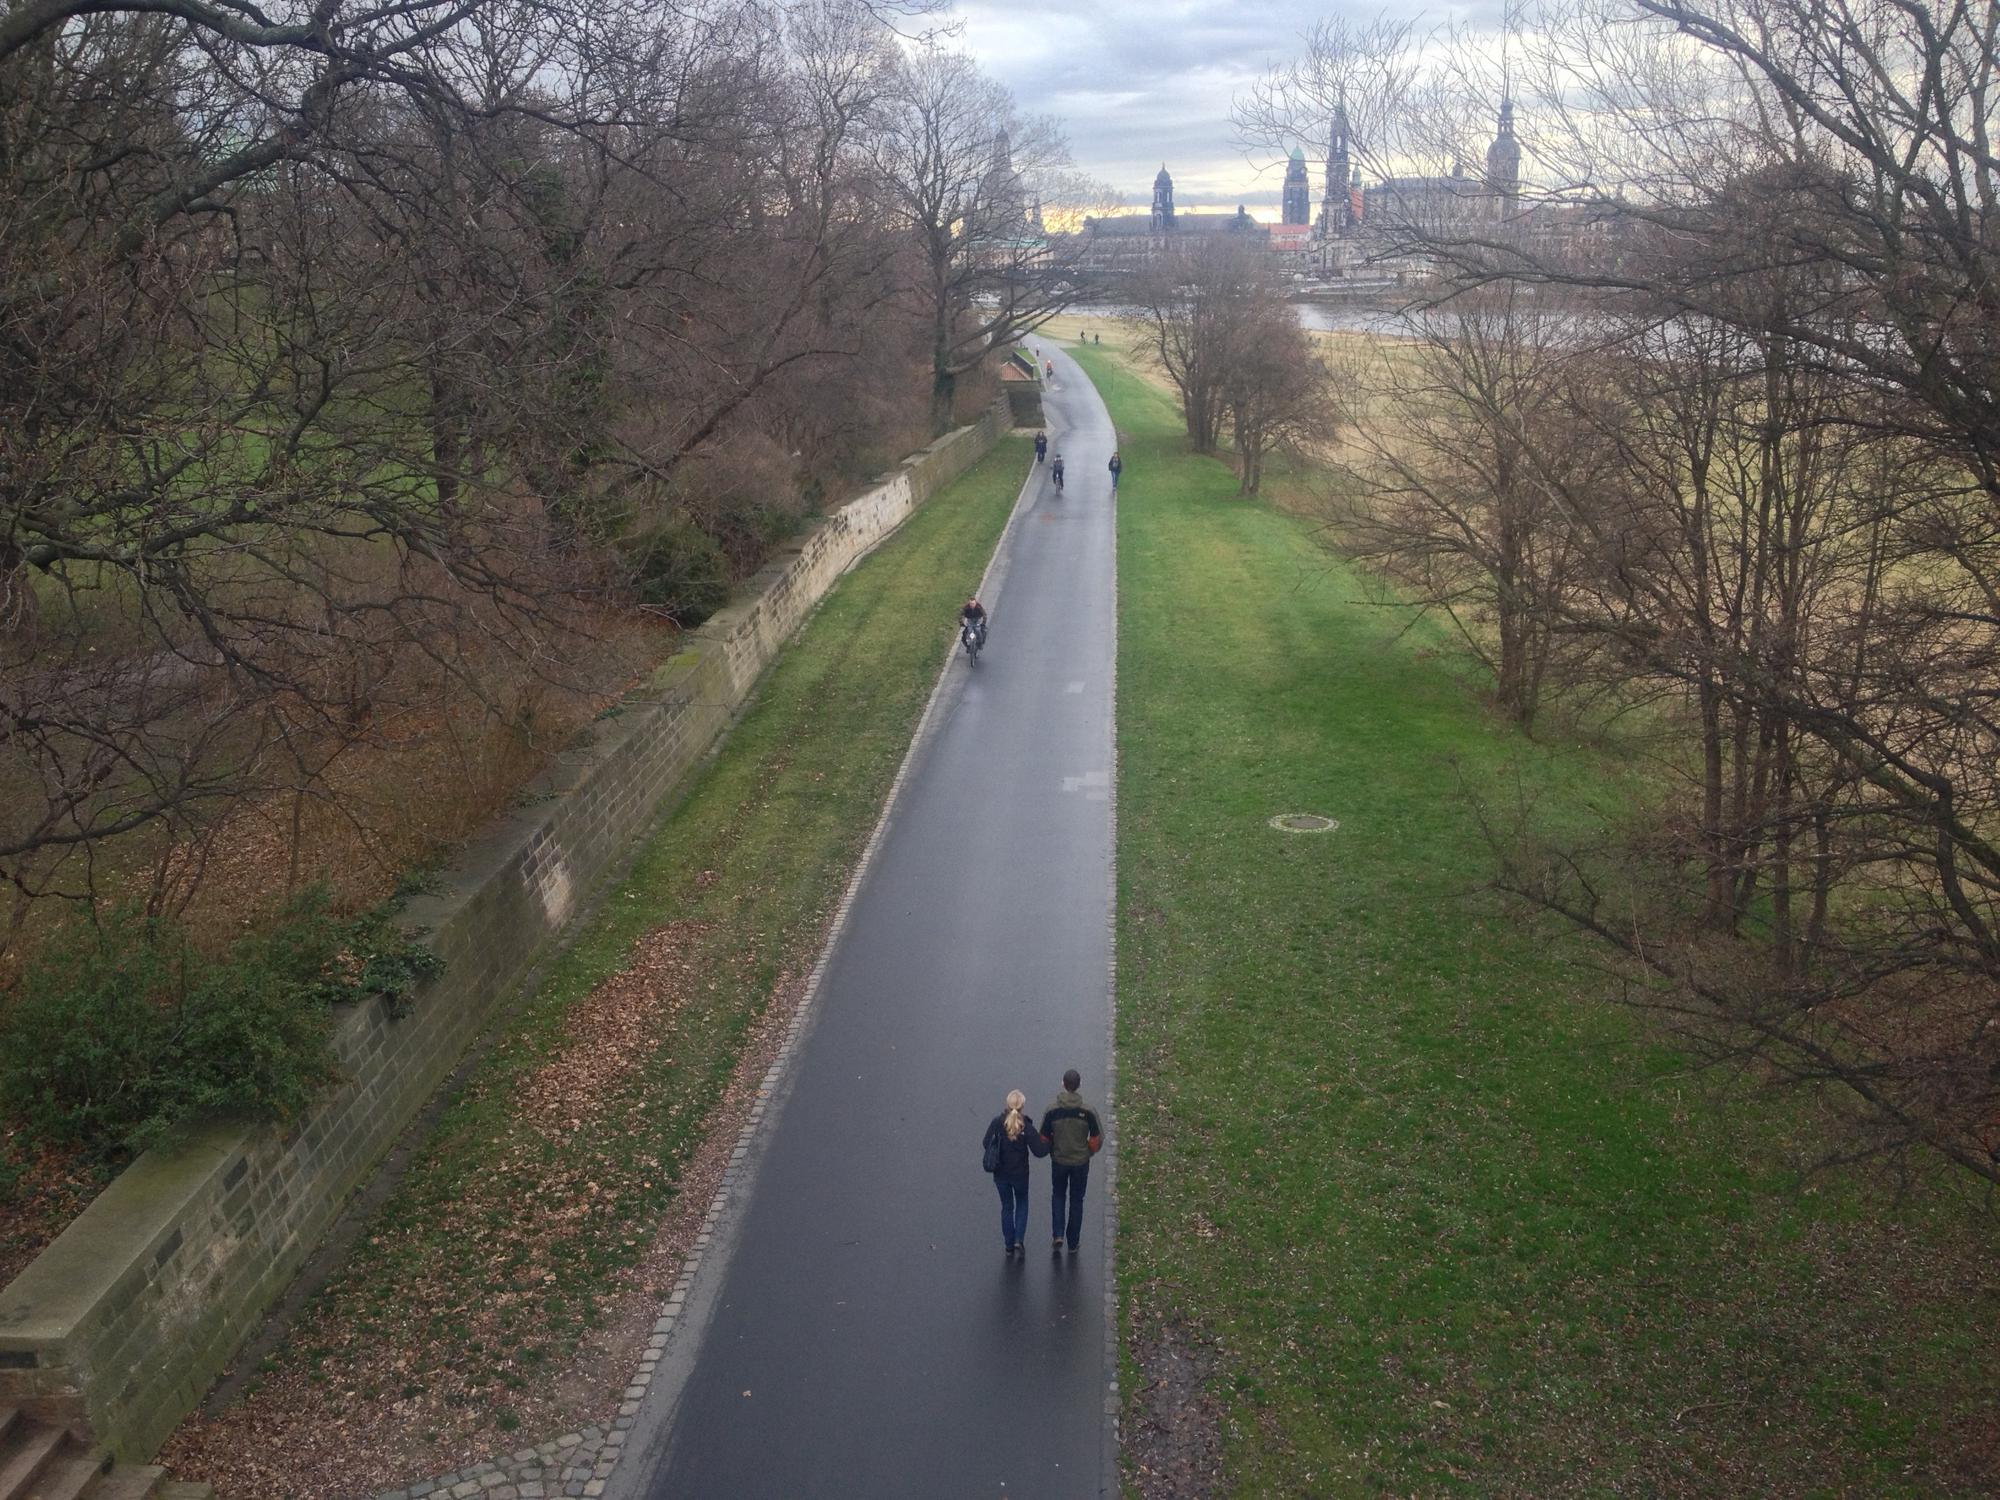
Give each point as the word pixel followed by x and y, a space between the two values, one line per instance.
pixel 857 1330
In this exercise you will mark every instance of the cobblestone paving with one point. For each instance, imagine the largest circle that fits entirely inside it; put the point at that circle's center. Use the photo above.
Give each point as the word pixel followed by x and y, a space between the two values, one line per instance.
pixel 575 1464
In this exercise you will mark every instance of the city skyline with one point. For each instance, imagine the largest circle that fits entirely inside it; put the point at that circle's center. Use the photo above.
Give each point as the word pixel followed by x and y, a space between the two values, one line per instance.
pixel 1140 85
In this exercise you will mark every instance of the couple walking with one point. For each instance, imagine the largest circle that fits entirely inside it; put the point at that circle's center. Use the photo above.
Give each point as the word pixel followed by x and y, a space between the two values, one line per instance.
pixel 1069 1135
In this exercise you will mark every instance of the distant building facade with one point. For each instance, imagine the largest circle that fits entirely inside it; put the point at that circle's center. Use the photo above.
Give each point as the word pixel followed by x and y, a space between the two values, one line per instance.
pixel 1373 231
pixel 1124 244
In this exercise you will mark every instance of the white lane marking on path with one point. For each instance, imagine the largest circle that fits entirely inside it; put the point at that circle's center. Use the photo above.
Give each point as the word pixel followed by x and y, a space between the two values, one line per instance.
pixel 1074 687
pixel 1095 785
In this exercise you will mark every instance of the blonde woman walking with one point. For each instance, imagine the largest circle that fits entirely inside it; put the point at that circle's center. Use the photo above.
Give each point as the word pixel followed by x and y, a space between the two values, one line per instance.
pixel 1010 1140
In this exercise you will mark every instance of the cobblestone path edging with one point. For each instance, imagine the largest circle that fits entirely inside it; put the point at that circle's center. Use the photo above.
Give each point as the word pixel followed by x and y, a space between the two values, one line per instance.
pixel 579 1465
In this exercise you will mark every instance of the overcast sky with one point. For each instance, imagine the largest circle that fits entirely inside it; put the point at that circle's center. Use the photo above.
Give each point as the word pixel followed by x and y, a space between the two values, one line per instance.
pixel 1141 82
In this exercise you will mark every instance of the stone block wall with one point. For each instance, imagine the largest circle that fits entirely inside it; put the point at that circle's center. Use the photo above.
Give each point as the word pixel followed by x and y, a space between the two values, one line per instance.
pixel 119 1327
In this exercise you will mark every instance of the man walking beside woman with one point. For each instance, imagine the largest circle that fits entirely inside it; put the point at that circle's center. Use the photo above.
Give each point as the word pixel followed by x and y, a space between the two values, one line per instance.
pixel 1070 1134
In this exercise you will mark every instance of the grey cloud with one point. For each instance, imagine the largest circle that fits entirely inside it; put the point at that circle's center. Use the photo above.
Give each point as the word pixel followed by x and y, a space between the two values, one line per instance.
pixel 1139 82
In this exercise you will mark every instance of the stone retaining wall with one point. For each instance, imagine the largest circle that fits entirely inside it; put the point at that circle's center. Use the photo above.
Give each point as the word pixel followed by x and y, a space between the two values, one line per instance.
pixel 119 1327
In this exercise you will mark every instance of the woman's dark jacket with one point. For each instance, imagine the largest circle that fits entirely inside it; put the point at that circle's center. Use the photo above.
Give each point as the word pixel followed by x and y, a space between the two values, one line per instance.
pixel 1014 1153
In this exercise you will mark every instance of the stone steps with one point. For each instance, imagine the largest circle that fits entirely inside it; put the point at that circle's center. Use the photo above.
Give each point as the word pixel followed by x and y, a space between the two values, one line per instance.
pixel 39 1461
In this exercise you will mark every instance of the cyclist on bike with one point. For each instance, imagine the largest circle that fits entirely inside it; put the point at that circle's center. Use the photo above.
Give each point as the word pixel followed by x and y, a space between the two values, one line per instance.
pixel 1041 446
pixel 1056 472
pixel 972 616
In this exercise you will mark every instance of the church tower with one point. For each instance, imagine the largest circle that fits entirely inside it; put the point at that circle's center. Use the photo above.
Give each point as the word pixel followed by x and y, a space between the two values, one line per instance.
pixel 1298 196
pixel 1336 206
pixel 1503 157
pixel 1163 201
pixel 1002 186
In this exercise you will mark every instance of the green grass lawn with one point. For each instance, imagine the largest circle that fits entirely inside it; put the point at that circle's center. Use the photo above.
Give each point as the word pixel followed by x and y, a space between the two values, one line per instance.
pixel 1416 1210
pixel 455 1322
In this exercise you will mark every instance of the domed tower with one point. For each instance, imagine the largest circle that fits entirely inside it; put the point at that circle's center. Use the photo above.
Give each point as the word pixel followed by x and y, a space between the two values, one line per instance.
pixel 1298 196
pixel 1503 157
pixel 1163 200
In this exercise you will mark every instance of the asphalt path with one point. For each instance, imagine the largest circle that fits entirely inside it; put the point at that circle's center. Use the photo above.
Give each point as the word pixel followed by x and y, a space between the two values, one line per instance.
pixel 856 1329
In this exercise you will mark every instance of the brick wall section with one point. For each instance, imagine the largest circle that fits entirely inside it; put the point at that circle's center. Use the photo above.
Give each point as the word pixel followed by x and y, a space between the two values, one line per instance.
pixel 119 1327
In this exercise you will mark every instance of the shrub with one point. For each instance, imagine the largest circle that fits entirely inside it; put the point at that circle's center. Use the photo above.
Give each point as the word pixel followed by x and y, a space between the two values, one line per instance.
pixel 677 569
pixel 120 1032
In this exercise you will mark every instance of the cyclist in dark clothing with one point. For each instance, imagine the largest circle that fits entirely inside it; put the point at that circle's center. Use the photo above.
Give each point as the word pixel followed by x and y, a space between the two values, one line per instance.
pixel 1056 471
pixel 1016 1138
pixel 972 613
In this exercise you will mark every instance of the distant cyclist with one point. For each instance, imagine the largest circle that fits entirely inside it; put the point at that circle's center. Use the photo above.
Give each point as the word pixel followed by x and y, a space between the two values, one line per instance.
pixel 1056 472
pixel 1049 368
pixel 1041 446
pixel 1117 467
pixel 972 616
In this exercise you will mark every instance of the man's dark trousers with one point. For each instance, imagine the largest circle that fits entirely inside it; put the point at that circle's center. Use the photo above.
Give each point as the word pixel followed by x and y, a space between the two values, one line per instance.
pixel 1068 1184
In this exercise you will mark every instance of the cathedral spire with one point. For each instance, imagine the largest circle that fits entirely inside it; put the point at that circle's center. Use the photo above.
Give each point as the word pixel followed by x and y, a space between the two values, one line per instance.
pixel 1335 205
pixel 1503 157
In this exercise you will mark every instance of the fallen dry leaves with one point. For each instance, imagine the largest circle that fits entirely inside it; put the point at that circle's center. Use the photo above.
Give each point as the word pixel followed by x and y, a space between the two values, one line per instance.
pixel 367 1397
pixel 51 1185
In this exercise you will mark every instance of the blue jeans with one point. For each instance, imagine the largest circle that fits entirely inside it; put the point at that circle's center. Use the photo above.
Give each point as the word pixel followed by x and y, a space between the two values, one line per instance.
pixel 1068 1184
pixel 1013 1211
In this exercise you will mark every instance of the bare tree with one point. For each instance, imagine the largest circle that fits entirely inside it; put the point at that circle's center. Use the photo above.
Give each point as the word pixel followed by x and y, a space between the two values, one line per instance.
pixel 1278 390
pixel 336 344
pixel 1469 473
pixel 1219 327
pixel 968 179
pixel 1197 305
pixel 1775 217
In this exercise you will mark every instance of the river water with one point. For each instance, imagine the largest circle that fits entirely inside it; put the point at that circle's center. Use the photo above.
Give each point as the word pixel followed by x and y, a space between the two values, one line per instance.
pixel 1320 317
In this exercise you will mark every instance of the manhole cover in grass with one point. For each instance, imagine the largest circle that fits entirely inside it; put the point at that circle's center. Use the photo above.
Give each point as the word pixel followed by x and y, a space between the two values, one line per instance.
pixel 1303 823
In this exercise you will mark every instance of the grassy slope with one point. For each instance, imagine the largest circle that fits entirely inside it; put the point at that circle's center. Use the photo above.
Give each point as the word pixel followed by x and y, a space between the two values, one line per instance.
pixel 1442 1223
pixel 494 1257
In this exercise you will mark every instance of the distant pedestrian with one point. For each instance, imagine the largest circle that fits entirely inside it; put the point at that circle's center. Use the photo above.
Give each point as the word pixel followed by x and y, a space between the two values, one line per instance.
pixel 1010 1140
pixel 1041 446
pixel 1117 467
pixel 1073 1134
pixel 1097 338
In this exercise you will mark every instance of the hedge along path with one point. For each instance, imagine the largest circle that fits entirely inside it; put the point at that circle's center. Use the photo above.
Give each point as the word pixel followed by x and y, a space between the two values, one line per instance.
pixel 506 1289
pixel 1404 1206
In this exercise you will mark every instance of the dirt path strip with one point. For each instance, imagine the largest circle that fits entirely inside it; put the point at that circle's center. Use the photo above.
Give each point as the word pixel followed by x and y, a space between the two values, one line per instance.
pixel 506 1290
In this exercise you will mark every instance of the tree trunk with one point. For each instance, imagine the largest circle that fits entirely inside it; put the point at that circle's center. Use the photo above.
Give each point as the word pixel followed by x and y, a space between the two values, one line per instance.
pixel 944 399
pixel 447 447
pixel 18 608
pixel 1715 845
